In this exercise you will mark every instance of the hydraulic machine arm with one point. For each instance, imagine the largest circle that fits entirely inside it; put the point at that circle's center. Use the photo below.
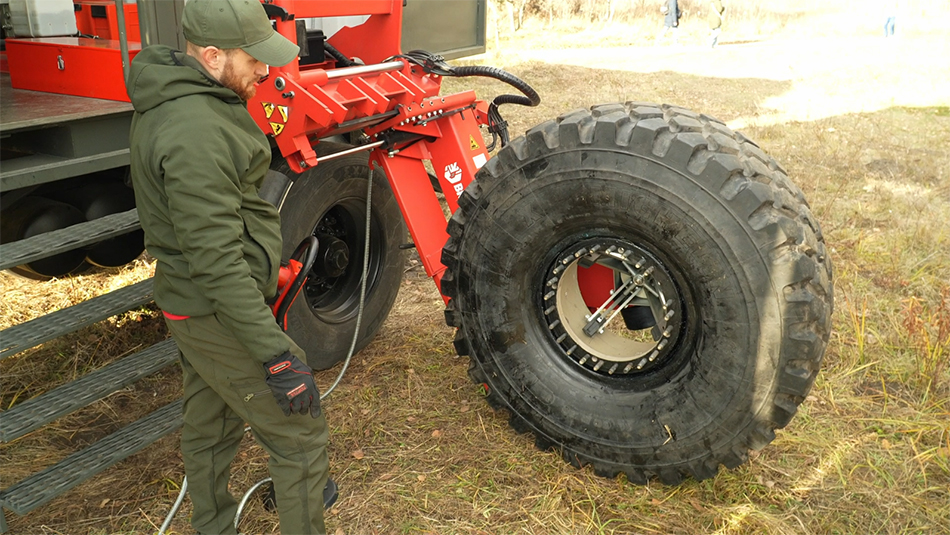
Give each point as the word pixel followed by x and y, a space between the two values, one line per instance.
pixel 395 103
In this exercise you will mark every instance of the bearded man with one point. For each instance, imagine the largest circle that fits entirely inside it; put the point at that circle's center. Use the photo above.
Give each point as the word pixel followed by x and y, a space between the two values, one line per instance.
pixel 198 161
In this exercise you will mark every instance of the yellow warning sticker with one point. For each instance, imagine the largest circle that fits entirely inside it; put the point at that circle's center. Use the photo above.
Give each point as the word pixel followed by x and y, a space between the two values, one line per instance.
pixel 277 128
pixel 284 112
pixel 269 110
pixel 473 143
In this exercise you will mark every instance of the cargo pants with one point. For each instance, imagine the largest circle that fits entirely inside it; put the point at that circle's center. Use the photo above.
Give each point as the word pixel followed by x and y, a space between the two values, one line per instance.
pixel 224 388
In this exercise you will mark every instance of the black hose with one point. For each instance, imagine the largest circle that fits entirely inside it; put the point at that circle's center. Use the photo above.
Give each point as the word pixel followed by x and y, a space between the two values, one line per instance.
pixel 435 64
pixel 530 98
pixel 341 59
pixel 496 124
pixel 306 254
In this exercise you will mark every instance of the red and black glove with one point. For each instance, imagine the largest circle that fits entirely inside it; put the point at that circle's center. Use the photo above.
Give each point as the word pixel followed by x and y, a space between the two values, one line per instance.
pixel 291 381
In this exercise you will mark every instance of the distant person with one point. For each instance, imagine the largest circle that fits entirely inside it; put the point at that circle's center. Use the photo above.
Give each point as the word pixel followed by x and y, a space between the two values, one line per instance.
pixel 671 18
pixel 890 22
pixel 716 12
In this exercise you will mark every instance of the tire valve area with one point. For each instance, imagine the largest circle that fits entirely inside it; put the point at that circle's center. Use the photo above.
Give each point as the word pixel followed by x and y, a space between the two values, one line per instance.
pixel 608 314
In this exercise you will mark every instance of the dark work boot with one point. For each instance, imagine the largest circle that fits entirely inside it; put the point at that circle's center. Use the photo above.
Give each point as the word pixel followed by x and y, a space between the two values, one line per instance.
pixel 330 493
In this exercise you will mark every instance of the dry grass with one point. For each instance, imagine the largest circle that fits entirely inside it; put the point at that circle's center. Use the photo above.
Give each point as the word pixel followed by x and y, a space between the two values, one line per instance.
pixel 416 450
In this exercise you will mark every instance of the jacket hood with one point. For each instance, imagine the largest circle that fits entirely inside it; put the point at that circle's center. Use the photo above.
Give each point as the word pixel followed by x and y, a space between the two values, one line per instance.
pixel 160 74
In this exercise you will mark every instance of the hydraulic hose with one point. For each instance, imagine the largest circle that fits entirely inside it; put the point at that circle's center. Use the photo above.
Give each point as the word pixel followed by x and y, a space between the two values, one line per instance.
pixel 363 276
pixel 246 497
pixel 174 511
pixel 530 98
pixel 435 64
pixel 338 56
pixel 496 124
pixel 356 333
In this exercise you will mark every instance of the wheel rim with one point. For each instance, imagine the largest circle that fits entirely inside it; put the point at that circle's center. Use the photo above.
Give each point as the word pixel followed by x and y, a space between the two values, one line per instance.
pixel 591 329
pixel 334 296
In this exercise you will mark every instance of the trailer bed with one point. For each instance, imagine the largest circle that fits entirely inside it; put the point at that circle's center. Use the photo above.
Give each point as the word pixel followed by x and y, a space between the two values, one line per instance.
pixel 21 109
pixel 49 137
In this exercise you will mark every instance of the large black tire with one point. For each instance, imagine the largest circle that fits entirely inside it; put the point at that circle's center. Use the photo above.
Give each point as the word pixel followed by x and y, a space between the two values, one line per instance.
pixel 696 213
pixel 329 200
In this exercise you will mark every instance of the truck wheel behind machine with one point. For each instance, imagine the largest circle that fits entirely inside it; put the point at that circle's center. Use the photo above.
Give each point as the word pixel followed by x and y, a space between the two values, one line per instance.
pixel 329 202
pixel 641 288
pixel 35 215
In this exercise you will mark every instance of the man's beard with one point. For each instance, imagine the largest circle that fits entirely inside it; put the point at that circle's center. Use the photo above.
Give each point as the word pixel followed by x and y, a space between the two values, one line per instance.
pixel 229 79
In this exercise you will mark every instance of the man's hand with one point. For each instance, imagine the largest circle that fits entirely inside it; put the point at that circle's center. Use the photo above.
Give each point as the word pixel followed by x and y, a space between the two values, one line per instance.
pixel 291 381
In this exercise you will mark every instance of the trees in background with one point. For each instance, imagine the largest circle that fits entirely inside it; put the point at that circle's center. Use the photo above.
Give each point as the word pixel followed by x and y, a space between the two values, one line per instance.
pixel 511 14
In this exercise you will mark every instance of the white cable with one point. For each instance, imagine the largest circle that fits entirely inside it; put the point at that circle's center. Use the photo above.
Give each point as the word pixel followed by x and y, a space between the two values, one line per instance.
pixel 174 511
pixel 359 313
pixel 247 496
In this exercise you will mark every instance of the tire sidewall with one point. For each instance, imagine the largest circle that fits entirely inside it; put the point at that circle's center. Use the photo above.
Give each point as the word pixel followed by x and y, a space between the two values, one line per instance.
pixel 717 390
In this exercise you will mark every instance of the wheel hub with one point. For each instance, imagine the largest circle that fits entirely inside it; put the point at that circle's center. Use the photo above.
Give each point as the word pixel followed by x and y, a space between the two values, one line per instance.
pixel 332 291
pixel 628 327
pixel 334 256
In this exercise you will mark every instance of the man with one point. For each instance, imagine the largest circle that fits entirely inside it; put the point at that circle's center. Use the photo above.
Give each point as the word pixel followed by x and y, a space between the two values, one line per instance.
pixel 198 161
pixel 716 11
pixel 671 18
pixel 891 7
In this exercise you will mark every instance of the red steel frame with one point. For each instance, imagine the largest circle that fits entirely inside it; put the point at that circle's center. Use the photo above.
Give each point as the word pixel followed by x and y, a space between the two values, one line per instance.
pixel 300 105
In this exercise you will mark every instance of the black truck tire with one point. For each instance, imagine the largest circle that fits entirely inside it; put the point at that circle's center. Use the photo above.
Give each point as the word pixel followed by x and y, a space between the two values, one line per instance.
pixel 35 215
pixel 329 201
pixel 679 206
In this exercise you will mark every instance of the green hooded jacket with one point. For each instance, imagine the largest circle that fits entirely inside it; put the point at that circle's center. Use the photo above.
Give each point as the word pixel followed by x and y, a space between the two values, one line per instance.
pixel 198 160
pixel 714 17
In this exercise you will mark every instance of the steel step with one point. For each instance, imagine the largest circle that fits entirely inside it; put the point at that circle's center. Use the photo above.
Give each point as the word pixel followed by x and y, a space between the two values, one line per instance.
pixel 36 169
pixel 39 411
pixel 45 328
pixel 38 489
pixel 48 244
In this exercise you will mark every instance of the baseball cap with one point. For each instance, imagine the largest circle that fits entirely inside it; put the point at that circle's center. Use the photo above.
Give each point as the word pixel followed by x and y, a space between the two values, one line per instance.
pixel 237 24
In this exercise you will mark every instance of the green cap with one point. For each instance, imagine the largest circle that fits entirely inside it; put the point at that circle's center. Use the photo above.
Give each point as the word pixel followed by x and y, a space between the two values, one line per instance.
pixel 237 24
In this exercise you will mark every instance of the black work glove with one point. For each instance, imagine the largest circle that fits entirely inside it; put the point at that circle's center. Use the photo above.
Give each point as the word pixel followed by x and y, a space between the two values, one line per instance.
pixel 291 381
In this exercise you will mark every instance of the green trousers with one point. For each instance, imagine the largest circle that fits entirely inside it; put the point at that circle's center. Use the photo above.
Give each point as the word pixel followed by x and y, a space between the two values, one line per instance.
pixel 224 388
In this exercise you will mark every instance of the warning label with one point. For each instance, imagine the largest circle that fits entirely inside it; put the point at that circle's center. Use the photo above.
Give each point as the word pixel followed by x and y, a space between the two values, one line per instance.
pixel 277 128
pixel 472 143
pixel 269 110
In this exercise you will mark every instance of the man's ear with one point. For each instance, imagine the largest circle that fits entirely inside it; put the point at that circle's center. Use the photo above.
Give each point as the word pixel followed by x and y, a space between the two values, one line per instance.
pixel 213 59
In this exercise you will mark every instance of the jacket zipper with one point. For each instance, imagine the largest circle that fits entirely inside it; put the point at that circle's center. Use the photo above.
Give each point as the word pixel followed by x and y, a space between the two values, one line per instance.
pixel 250 396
